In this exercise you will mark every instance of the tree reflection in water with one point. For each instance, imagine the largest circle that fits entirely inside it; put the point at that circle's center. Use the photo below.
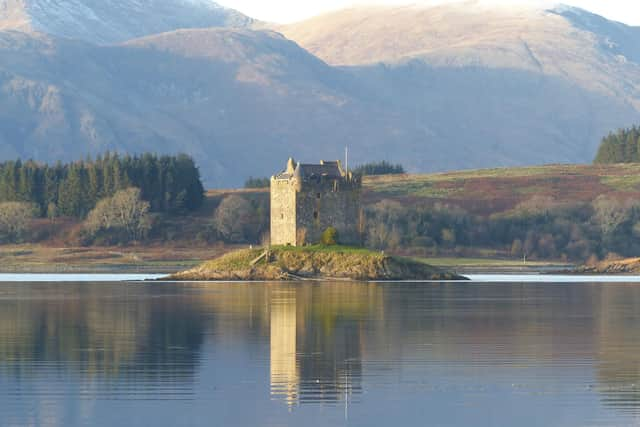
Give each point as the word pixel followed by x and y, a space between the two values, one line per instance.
pixel 618 361
pixel 134 337
pixel 103 331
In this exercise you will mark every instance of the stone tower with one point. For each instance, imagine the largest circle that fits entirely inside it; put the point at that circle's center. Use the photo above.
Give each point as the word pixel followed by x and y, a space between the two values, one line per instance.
pixel 306 199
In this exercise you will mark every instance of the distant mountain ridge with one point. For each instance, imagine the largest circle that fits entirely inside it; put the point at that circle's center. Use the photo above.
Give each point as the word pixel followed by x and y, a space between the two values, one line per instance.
pixel 434 89
pixel 565 42
pixel 114 21
pixel 491 81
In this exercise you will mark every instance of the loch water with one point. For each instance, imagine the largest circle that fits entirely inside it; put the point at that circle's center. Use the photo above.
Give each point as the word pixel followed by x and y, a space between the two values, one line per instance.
pixel 493 352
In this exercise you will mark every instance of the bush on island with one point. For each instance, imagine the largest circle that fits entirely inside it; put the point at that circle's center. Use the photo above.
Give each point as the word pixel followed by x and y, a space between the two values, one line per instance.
pixel 330 237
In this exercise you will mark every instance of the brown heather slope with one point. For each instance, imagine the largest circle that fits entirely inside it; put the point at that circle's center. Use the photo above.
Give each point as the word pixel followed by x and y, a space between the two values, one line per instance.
pixel 493 191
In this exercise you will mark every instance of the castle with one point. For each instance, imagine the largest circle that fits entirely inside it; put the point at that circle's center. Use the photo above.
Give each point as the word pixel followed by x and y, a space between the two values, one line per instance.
pixel 306 199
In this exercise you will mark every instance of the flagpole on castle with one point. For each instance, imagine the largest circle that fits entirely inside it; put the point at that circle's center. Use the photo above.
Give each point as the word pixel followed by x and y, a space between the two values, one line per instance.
pixel 346 159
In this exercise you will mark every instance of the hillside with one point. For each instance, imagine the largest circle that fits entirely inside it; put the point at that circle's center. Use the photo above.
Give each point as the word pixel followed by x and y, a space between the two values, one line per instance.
pixel 557 212
pixel 221 95
pixel 509 85
pixel 574 213
pixel 114 21
pixel 495 191
pixel 566 42
pixel 436 89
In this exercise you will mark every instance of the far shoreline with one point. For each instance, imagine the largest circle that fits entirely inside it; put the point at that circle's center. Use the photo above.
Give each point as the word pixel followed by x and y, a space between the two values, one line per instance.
pixel 161 259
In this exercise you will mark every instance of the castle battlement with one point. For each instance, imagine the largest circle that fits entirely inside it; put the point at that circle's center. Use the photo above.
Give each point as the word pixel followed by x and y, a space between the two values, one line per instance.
pixel 306 199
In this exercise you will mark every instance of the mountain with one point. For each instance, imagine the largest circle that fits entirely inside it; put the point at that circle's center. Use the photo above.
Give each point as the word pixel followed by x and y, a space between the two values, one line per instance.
pixel 114 21
pixel 240 101
pixel 435 88
pixel 564 42
pixel 501 85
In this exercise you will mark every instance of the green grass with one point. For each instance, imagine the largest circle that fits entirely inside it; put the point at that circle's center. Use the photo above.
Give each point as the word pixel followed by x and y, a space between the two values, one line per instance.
pixel 242 259
pixel 622 182
pixel 324 248
pixel 234 260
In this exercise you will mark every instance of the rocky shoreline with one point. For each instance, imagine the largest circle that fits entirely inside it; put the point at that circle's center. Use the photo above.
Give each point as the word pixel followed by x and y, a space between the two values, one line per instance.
pixel 625 266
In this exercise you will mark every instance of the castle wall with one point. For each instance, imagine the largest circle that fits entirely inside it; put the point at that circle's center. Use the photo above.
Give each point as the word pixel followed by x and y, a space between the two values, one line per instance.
pixel 283 212
pixel 331 203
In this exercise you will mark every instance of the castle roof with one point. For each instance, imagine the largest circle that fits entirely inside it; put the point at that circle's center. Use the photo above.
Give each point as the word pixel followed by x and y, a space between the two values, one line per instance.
pixel 326 169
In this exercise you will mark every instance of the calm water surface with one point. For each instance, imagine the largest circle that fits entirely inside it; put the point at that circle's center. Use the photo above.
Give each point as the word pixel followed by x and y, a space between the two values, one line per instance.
pixel 255 354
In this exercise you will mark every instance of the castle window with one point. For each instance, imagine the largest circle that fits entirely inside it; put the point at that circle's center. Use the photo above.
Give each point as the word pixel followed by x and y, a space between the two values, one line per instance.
pixel 281 216
pixel 318 195
pixel 315 215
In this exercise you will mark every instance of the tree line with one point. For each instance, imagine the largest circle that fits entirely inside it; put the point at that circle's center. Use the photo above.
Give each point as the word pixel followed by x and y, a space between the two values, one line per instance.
pixel 539 228
pixel 170 184
pixel 379 168
pixel 622 146
pixel 255 183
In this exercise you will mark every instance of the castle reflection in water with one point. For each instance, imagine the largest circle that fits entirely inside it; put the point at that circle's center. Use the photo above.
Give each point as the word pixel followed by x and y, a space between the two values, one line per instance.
pixel 311 364
pixel 285 372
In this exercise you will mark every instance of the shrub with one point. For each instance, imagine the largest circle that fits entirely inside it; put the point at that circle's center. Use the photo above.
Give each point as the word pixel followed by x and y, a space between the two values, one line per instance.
pixel 330 237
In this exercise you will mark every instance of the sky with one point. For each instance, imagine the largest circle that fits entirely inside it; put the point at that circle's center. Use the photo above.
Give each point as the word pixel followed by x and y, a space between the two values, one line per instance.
pixel 287 11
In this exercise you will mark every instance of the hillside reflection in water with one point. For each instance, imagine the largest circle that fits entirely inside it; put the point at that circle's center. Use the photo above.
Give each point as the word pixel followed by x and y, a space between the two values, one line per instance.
pixel 318 354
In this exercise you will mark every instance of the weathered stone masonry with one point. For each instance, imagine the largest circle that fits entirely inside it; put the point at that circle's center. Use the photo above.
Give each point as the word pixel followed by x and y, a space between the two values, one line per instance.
pixel 306 199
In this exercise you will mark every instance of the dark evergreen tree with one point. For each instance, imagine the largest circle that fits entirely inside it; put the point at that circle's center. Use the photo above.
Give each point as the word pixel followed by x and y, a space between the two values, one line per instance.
pixel 379 168
pixel 620 147
pixel 171 184
pixel 257 182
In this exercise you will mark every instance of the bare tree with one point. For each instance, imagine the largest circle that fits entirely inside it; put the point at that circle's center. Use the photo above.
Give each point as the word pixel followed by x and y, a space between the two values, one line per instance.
pixel 125 212
pixel 14 220
pixel 235 218
pixel 610 213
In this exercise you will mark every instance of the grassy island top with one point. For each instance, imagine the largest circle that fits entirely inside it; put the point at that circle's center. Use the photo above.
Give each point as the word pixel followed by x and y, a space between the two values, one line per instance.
pixel 286 254
pixel 332 248
pixel 315 263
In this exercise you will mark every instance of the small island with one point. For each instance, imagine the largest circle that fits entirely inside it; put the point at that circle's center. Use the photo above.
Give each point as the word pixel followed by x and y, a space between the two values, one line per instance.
pixel 313 263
